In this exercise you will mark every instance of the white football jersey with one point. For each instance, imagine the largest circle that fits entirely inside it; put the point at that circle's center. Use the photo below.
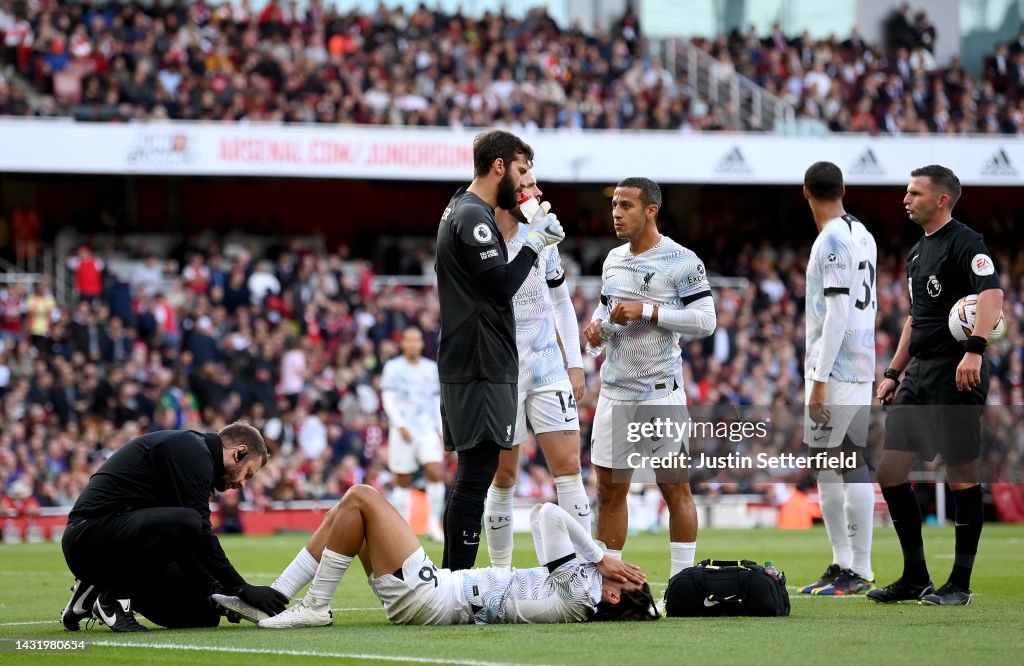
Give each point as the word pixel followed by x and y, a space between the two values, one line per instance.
pixel 540 357
pixel 497 595
pixel 412 395
pixel 843 260
pixel 643 361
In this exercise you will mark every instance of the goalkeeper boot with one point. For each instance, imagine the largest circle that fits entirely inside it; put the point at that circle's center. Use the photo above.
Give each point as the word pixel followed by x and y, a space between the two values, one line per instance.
pixel 238 607
pixel 299 615
pixel 948 595
pixel 83 596
pixel 827 579
pixel 901 590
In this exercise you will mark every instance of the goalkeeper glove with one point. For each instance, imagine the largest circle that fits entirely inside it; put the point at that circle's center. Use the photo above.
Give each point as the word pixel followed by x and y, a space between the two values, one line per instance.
pixel 545 229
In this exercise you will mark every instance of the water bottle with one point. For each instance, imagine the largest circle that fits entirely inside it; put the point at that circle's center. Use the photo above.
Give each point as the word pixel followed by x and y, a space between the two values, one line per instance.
pixel 607 331
pixel 11 532
pixel 769 568
pixel 34 534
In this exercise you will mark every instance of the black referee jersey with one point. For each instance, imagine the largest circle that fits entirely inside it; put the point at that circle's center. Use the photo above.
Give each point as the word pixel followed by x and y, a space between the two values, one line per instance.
pixel 942 268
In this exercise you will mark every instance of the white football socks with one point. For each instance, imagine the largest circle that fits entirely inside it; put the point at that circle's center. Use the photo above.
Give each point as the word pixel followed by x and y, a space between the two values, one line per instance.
pixel 682 553
pixel 572 496
pixel 330 572
pixel 498 522
pixel 297 574
pixel 435 502
pixel 832 497
pixel 860 513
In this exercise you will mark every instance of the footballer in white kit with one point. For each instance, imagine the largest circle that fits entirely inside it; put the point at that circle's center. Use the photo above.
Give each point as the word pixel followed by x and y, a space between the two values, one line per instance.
pixel 841 295
pixel 545 393
pixel 839 368
pixel 411 394
pixel 576 581
pixel 550 381
pixel 654 290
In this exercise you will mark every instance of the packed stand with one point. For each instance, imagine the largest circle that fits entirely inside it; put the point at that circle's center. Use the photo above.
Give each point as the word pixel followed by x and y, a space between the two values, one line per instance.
pixel 226 61
pixel 856 86
pixel 294 341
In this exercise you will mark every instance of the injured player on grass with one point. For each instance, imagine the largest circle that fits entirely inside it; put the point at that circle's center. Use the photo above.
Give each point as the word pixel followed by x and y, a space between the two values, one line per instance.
pixel 575 582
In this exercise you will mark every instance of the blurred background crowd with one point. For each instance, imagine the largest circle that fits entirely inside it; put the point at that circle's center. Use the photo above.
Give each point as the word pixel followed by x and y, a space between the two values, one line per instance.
pixel 229 61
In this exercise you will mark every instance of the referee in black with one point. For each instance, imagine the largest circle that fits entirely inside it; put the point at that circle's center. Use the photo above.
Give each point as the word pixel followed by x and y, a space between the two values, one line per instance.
pixel 938 408
pixel 139 537
pixel 477 359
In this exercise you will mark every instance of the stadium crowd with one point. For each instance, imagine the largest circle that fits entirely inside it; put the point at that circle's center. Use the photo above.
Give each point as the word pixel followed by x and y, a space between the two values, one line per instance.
pixel 229 62
pixel 294 341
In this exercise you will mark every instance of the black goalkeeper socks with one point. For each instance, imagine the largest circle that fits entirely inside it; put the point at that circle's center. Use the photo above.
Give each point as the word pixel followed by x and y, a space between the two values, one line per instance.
pixel 465 509
pixel 906 519
pixel 970 516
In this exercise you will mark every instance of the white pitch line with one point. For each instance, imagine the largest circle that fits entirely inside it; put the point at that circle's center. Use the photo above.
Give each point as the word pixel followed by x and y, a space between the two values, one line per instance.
pixel 304 653
pixel 57 621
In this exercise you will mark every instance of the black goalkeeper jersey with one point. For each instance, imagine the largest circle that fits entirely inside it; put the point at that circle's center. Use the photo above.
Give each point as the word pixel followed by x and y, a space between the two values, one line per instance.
pixel 478 329
pixel 942 268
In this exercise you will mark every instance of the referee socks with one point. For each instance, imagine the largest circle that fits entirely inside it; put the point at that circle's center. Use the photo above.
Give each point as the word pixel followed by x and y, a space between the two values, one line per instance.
pixel 970 516
pixel 905 512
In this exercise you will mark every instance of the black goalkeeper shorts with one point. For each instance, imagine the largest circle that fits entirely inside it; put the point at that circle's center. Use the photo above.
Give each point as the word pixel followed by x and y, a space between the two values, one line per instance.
pixel 478 411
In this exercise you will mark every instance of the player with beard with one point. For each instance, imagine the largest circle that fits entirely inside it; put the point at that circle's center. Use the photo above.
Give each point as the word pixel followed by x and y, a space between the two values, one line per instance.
pixel 140 536
pixel 477 359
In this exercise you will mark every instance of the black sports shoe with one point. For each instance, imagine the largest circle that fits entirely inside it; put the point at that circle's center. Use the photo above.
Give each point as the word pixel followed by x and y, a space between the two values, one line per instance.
pixel 826 580
pixel 948 595
pixel 901 590
pixel 83 596
pixel 117 615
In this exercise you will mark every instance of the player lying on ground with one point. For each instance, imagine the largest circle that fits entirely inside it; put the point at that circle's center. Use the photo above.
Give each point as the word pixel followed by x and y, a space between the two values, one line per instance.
pixel 566 588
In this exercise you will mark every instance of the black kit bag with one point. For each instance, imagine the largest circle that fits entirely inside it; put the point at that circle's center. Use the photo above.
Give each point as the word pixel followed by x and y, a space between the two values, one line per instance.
pixel 716 588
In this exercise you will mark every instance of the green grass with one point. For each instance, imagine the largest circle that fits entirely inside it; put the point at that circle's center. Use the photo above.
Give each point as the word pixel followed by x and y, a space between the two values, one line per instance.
pixel 34 586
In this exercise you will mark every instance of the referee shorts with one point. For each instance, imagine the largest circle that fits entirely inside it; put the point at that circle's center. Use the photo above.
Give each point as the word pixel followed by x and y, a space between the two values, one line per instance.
pixel 931 416
pixel 478 411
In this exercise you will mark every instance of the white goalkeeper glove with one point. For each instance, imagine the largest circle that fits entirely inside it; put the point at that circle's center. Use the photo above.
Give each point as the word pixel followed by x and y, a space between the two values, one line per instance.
pixel 545 229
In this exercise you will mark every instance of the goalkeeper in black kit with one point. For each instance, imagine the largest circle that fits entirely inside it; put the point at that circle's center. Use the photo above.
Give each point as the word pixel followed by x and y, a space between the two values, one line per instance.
pixel 477 359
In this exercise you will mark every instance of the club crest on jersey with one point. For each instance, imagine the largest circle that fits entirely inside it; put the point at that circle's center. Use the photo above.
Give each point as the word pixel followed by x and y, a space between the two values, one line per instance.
pixel 647 281
pixel 934 287
pixel 482 233
pixel 982 264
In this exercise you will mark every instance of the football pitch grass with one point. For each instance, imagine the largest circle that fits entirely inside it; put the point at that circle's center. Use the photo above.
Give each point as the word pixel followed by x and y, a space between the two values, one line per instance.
pixel 34 586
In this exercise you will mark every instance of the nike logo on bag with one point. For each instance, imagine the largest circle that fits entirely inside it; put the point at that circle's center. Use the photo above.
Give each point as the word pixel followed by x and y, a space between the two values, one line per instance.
pixel 709 603
pixel 78 608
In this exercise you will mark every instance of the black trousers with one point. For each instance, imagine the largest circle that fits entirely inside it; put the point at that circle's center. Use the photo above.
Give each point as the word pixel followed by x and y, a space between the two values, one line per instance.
pixel 147 556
